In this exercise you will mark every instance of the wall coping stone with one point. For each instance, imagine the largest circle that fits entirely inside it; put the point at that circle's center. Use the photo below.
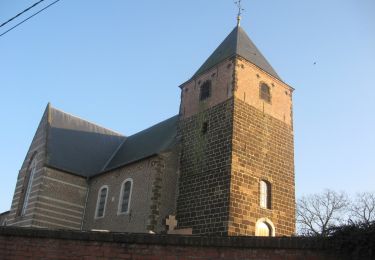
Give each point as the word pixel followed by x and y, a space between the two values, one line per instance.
pixel 298 243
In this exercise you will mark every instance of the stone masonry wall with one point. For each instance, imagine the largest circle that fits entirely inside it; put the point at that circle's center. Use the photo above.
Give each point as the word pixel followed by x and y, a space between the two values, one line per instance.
pixel 163 201
pixel 205 170
pixel 29 244
pixel 143 175
pixel 152 197
pixel 262 150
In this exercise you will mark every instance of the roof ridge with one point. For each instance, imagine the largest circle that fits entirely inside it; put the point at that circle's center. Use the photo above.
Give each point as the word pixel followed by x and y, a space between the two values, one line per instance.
pixel 149 132
pixel 90 122
pixel 148 128
pixel 237 39
pixel 113 155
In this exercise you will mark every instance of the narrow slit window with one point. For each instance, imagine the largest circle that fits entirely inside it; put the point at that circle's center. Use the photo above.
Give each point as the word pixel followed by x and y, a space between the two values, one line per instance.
pixel 205 90
pixel 101 203
pixel 27 190
pixel 265 92
pixel 204 128
pixel 125 196
pixel 265 194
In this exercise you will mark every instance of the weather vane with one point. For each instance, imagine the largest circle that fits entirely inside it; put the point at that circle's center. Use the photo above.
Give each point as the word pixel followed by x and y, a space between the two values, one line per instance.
pixel 240 9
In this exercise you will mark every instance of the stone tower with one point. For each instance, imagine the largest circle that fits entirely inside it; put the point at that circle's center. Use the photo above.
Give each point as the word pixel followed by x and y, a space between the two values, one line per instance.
pixel 237 159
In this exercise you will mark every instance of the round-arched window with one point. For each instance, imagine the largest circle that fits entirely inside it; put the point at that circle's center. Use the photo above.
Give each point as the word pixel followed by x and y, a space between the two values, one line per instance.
pixel 264 228
pixel 125 196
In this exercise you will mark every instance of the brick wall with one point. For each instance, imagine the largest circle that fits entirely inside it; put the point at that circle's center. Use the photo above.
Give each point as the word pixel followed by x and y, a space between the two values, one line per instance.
pixel 31 244
pixel 37 152
pixel 3 218
pixel 61 200
pixel 56 198
pixel 248 79
pixel 221 77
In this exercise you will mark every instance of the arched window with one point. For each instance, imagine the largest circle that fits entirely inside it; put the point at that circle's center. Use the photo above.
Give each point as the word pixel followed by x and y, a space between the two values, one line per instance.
pixel 265 92
pixel 205 90
pixel 265 194
pixel 125 196
pixel 29 178
pixel 264 228
pixel 101 202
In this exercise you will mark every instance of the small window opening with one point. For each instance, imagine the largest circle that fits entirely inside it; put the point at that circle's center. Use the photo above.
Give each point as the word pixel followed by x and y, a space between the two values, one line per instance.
pixel 205 90
pixel 204 128
pixel 265 194
pixel 265 92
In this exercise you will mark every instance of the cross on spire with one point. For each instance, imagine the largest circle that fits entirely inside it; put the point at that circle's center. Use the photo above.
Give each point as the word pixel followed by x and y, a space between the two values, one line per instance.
pixel 240 9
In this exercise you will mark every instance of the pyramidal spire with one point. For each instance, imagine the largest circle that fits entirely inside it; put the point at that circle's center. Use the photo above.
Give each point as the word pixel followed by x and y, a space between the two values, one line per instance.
pixel 237 43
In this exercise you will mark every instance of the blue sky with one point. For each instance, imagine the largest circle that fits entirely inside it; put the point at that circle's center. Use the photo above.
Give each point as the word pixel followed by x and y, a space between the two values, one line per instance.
pixel 119 64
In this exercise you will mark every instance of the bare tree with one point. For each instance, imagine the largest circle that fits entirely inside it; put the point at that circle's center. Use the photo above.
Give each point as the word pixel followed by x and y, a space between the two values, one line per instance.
pixel 362 208
pixel 317 213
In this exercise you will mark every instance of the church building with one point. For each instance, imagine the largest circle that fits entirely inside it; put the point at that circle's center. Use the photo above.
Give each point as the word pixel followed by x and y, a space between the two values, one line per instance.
pixel 224 166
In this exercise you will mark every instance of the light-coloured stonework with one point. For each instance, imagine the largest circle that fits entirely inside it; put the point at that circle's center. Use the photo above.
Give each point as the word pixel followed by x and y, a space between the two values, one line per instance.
pixel 221 77
pixel 248 80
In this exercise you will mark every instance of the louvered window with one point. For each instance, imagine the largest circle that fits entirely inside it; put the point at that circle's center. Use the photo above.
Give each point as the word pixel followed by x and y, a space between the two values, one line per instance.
pixel 205 90
pixel 265 92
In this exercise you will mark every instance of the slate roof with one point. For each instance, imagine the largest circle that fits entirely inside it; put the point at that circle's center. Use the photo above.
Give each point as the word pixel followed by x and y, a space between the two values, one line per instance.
pixel 158 138
pixel 237 43
pixel 86 149
pixel 78 146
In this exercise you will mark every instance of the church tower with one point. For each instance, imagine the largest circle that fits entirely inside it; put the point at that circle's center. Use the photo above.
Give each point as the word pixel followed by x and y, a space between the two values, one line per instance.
pixel 237 159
